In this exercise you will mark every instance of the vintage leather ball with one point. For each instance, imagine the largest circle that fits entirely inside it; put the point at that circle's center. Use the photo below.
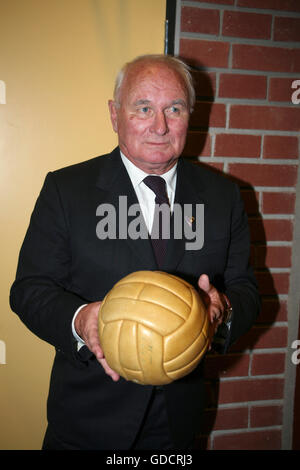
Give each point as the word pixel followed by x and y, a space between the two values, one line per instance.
pixel 153 327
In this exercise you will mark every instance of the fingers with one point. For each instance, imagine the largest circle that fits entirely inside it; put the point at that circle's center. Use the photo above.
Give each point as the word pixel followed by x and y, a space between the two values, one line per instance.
pixel 114 375
pixel 212 300
pixel 86 324
pixel 215 316
pixel 94 345
pixel 204 284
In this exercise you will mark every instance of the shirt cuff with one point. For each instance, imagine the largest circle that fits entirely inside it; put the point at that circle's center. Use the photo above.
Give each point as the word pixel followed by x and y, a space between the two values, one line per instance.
pixel 79 340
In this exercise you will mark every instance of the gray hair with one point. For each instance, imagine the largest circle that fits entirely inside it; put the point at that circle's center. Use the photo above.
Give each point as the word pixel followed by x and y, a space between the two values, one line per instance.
pixel 173 62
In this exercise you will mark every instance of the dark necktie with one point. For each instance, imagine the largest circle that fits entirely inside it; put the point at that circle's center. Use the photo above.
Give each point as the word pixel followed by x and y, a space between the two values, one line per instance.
pixel 158 186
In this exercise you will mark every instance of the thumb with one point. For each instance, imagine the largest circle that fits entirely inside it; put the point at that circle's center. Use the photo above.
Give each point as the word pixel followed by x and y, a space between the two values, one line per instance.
pixel 203 283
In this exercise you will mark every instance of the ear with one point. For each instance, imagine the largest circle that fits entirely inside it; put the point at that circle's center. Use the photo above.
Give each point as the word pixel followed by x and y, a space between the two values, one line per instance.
pixel 113 114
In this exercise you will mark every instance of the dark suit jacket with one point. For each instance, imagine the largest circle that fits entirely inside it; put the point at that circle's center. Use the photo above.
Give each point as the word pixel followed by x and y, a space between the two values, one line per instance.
pixel 63 264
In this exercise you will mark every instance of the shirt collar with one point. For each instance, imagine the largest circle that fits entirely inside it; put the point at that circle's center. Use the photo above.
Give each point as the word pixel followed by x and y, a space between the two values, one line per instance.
pixel 137 175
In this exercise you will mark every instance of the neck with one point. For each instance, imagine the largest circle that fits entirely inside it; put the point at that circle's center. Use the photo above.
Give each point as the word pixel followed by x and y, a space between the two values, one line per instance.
pixel 153 168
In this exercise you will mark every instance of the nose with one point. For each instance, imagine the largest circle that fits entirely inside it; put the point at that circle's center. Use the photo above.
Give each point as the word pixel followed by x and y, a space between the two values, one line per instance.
pixel 160 125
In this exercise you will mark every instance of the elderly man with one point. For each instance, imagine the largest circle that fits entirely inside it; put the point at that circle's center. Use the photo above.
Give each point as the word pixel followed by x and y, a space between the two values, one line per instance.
pixel 65 269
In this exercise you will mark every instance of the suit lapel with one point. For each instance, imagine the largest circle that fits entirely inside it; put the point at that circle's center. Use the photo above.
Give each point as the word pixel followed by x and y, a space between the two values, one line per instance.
pixel 114 181
pixel 189 193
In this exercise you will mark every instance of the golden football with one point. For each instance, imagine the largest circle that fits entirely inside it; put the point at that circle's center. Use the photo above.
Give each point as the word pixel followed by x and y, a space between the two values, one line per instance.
pixel 153 327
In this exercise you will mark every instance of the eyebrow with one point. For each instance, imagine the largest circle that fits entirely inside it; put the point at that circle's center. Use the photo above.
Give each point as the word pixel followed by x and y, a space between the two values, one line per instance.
pixel 179 101
pixel 182 102
pixel 138 102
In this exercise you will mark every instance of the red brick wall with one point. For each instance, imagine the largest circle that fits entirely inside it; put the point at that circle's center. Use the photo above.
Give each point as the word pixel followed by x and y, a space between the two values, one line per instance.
pixel 246 126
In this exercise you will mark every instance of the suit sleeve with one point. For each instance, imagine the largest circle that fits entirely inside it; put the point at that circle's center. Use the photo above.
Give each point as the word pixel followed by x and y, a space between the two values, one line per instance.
pixel 239 280
pixel 42 292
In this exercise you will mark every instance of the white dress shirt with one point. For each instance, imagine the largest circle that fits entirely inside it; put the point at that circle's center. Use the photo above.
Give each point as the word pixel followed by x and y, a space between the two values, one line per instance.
pixel 145 195
pixel 146 199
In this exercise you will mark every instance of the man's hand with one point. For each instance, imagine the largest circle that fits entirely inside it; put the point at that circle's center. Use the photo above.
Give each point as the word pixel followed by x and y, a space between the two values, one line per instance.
pixel 212 300
pixel 86 325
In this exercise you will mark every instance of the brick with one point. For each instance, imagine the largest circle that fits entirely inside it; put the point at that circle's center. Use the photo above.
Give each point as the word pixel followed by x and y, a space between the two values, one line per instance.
pixel 270 229
pixel 262 337
pixel 247 25
pixel 287 29
pixel 272 310
pixel 266 439
pixel 270 337
pixel 272 283
pixel 263 415
pixel 237 145
pixel 229 365
pixel 275 146
pixel 250 199
pixel 242 86
pixel 280 89
pixel 264 175
pixel 200 20
pixel 244 390
pixel 272 363
pixel 273 256
pixel 202 53
pixel 204 83
pixel 225 418
pixel 207 115
pixel 284 5
pixel 278 203
pixel 280 118
pixel 197 143
pixel 278 230
pixel 257 229
pixel 273 59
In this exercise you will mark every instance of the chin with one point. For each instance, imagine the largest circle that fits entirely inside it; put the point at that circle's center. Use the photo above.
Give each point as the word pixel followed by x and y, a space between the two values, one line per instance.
pixel 159 156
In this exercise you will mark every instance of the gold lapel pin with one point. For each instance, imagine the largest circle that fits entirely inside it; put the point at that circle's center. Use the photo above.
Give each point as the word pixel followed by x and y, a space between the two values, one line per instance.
pixel 189 220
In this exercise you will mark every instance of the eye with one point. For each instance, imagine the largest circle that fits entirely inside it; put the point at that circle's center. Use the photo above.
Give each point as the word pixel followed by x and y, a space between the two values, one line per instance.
pixel 144 111
pixel 174 111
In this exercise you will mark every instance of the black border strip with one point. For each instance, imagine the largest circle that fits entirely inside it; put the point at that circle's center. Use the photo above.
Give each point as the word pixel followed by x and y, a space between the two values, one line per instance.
pixel 170 26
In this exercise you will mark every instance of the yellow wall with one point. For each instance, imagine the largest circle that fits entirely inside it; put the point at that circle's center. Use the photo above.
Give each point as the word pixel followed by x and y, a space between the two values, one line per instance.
pixel 58 59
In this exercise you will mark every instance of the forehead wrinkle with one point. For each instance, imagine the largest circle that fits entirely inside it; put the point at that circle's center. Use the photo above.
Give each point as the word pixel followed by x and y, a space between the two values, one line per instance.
pixel 146 74
pixel 163 98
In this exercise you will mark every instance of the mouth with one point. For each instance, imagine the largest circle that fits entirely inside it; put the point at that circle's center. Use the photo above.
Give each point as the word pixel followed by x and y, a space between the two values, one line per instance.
pixel 157 143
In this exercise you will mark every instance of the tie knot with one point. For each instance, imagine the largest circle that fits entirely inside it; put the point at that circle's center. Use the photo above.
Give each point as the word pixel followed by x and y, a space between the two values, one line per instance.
pixel 158 185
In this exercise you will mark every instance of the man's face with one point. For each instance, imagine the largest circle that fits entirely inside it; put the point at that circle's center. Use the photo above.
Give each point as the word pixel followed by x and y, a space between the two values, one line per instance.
pixel 152 117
